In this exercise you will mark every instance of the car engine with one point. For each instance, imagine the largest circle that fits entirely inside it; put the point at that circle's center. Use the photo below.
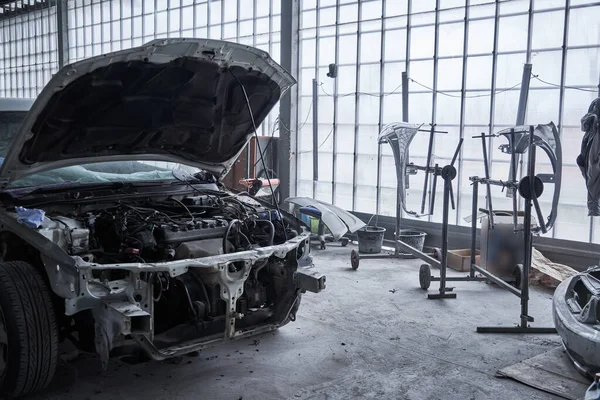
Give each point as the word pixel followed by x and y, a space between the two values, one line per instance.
pixel 156 230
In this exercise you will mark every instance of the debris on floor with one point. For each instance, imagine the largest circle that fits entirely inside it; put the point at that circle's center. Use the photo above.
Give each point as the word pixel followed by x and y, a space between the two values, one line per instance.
pixel 548 273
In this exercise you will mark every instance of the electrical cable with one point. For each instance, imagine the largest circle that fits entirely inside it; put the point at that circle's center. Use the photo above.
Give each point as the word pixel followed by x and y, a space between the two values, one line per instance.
pixel 362 93
pixel 260 152
pixel 466 97
pixel 565 86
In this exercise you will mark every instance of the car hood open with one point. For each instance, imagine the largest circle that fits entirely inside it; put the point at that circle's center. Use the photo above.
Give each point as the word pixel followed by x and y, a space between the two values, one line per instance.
pixel 178 100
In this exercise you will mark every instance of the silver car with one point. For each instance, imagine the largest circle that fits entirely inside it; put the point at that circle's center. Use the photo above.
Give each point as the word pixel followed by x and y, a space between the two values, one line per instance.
pixel 115 231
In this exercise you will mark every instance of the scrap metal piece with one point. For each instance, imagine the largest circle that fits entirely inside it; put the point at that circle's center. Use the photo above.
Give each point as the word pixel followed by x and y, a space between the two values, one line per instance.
pixel 399 136
pixel 337 220
pixel 545 137
pixel 576 312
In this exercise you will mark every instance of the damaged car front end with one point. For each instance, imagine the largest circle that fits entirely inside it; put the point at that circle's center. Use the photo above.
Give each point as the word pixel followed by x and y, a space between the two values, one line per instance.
pixel 576 311
pixel 111 192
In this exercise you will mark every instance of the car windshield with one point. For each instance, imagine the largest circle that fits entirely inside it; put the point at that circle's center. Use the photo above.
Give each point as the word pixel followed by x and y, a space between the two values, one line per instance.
pixel 115 171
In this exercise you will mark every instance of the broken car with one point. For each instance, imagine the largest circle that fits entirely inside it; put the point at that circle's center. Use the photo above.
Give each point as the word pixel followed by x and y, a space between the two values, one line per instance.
pixel 114 229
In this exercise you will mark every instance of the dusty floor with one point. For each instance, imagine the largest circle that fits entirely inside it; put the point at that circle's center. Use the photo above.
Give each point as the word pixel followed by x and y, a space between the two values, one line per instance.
pixel 357 339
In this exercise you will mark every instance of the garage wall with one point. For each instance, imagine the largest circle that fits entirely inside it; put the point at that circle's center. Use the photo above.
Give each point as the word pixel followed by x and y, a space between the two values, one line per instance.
pixel 28 49
pixel 373 42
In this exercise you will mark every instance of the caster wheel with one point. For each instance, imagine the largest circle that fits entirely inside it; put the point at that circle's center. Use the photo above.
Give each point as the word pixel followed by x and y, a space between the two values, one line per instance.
pixel 323 246
pixel 354 259
pixel 518 274
pixel 437 253
pixel 425 276
pixel 344 242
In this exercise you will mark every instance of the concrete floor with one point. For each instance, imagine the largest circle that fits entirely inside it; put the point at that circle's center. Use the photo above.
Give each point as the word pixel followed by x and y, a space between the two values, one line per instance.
pixel 357 339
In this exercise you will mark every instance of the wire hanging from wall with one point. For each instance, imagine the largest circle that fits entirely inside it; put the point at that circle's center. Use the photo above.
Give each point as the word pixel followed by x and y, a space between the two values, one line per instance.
pixel 565 86
pixel 458 96
pixel 361 93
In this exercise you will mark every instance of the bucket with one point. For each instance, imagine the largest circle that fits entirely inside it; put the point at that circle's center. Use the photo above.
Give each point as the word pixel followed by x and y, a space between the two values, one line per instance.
pixel 412 238
pixel 370 239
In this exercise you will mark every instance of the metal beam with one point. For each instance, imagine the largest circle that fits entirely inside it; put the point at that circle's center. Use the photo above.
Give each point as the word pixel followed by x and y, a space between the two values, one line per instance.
pixel 380 120
pixel 461 129
pixel 561 94
pixel 62 33
pixel 290 10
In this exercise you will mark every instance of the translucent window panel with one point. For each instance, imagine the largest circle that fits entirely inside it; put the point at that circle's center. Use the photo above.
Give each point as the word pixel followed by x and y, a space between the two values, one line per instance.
pixel 345 139
pixel 323 191
pixel 572 223
pixel 307 53
pixel 546 4
pixel 305 117
pixel 583 67
pixel 576 104
pixel 512 33
pixel 327 17
pixel 392 108
pixel 448 109
pixel 471 148
pixel 573 188
pixel 370 78
pixel 368 109
pixel 308 19
pixel 347 49
pixel 304 188
pixel 583 26
pixel 344 172
pixel 547 65
pixel 422 42
pixel 326 51
pixel 419 108
pixel 547 30
pixel 444 4
pixel 445 143
pixel 305 165
pixel 370 47
pixel 325 166
pixel 477 109
pixel 469 168
pixel 346 80
pixel 423 5
pixel 308 4
pixel 392 73
pixel 343 196
pixel 571 144
pixel 451 37
pixel 450 74
pixel 367 139
pixel 326 84
pixel 542 106
pixel 201 11
pixel 366 199
pixel 395 45
pixel 505 107
pixel 366 170
pixel 509 70
pixel 371 10
pixel 325 109
pixel 422 72
pixel 481 36
pixel 349 13
pixel 396 7
pixel 479 72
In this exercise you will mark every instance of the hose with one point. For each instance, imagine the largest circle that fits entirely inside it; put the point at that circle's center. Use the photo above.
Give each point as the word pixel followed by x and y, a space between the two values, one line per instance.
pixel 271 227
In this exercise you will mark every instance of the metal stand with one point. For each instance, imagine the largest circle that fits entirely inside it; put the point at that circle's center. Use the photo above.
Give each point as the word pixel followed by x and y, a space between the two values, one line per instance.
pixel 448 173
pixel 530 188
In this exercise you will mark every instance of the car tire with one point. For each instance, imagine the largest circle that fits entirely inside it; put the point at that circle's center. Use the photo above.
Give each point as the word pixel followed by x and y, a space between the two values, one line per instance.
pixel 30 330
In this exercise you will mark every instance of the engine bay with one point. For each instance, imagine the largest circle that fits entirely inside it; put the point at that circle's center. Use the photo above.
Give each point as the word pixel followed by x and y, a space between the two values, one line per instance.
pixel 151 230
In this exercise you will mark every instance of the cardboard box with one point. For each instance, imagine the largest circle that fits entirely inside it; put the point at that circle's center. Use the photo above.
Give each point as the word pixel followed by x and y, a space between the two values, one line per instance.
pixel 460 260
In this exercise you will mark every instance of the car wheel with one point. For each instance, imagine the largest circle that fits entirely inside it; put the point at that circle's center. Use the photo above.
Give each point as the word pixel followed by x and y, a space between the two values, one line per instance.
pixel 28 331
